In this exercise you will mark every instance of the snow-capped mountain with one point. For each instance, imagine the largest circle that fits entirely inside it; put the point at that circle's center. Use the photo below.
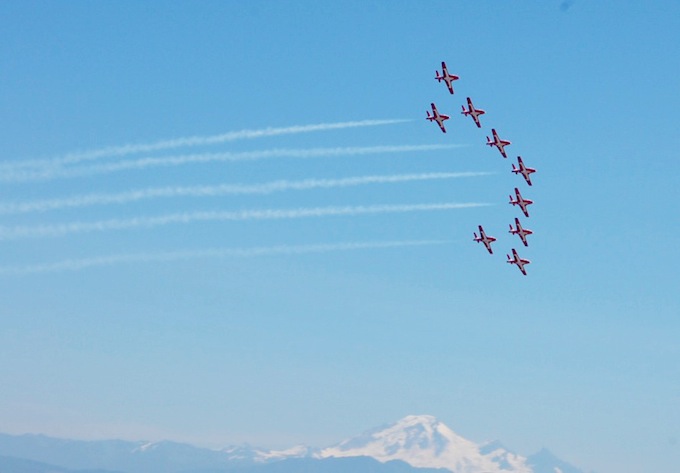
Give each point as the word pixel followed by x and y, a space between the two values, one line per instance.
pixel 414 444
pixel 299 451
pixel 245 454
pixel 424 442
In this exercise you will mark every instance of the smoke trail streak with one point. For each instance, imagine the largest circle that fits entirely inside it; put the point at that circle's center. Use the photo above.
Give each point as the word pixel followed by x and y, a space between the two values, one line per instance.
pixel 48 173
pixel 221 190
pixel 78 264
pixel 38 231
pixel 124 150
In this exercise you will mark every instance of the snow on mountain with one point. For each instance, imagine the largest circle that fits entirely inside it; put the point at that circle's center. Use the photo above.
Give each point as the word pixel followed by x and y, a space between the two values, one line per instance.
pixel 417 441
pixel 299 451
pixel 246 454
pixel 424 442
pixel 506 459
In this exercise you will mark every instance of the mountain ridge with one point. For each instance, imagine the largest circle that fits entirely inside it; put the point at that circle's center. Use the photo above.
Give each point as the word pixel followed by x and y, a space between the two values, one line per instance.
pixel 417 441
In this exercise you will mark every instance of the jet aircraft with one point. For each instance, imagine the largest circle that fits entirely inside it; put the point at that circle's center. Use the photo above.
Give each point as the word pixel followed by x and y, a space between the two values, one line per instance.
pixel 522 232
pixel 487 240
pixel 438 117
pixel 520 262
pixel 498 143
pixel 523 170
pixel 522 202
pixel 446 77
pixel 473 112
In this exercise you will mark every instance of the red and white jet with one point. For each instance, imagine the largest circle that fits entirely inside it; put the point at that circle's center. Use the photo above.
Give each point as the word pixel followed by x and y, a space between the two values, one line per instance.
pixel 498 143
pixel 522 202
pixel 472 111
pixel 438 117
pixel 522 232
pixel 446 77
pixel 520 262
pixel 523 170
pixel 487 240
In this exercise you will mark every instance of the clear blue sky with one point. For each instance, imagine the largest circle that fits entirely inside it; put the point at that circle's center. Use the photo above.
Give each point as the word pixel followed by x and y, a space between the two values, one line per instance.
pixel 581 356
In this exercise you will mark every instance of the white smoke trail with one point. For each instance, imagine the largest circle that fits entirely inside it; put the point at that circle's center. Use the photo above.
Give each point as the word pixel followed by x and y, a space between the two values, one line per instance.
pixel 38 231
pixel 220 190
pixel 49 173
pixel 78 264
pixel 124 150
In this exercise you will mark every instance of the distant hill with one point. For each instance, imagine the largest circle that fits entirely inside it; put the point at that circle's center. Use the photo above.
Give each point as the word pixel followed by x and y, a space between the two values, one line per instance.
pixel 545 462
pixel 21 465
pixel 113 455
pixel 327 465
pixel 293 465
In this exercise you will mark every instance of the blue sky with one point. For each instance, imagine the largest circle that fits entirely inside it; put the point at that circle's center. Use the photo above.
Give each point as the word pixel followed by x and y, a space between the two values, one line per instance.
pixel 580 356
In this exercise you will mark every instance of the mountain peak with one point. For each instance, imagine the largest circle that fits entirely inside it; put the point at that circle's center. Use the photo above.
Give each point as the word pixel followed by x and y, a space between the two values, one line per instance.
pixel 424 442
pixel 546 462
pixel 418 419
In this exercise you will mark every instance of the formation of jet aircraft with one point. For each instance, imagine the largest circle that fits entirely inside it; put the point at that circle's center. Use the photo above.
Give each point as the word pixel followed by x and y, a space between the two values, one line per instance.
pixel 500 144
